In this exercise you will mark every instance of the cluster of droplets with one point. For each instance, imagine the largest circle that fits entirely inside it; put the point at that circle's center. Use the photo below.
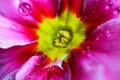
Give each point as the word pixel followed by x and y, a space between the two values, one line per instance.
pixel 24 8
pixel 110 4
pixel 103 34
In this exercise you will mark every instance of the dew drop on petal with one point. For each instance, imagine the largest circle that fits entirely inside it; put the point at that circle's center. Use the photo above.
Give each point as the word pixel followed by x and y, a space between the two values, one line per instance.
pixel 97 38
pixel 118 9
pixel 24 8
pixel 13 26
pixel 109 5
pixel 108 33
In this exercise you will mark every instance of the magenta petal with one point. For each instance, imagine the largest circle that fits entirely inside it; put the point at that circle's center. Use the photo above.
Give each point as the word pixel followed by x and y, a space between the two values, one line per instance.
pixel 36 69
pixel 105 38
pixel 12 34
pixel 96 12
pixel 13 58
pixel 18 11
pixel 99 59
pixel 102 51
pixel 86 67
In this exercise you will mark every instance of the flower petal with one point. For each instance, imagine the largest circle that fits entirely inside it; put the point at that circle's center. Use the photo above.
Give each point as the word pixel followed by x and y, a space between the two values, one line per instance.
pixel 36 69
pixel 12 34
pixel 76 6
pixel 63 6
pixel 105 38
pixel 22 12
pixel 48 8
pixel 13 58
pixel 99 59
pixel 97 67
pixel 96 12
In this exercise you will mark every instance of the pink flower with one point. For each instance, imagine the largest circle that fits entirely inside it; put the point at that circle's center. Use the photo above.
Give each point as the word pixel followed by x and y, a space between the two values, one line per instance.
pixel 59 39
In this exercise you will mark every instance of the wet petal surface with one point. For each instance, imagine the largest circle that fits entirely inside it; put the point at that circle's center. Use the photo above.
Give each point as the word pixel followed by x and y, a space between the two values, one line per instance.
pixel 12 34
pixel 36 69
pixel 105 37
pixel 96 12
pixel 95 66
pixel 13 58
pixel 99 57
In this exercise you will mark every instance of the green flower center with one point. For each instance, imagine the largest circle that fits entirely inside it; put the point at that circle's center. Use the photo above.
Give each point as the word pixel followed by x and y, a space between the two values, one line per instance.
pixel 63 38
pixel 58 36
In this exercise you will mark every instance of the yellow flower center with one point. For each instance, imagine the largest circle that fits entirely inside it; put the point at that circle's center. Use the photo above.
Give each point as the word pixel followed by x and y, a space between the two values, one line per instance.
pixel 63 38
pixel 58 36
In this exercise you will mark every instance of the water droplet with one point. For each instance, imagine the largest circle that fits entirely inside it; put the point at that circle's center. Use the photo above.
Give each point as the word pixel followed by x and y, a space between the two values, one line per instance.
pixel 13 26
pixel 107 7
pixel 110 4
pixel 108 33
pixel 118 9
pixel 97 38
pixel 89 55
pixel 24 8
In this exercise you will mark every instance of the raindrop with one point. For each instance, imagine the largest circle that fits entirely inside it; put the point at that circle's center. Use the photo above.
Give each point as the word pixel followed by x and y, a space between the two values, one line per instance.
pixel 118 9
pixel 108 33
pixel 107 7
pixel 13 26
pixel 24 8
pixel 89 55
pixel 110 4
pixel 97 38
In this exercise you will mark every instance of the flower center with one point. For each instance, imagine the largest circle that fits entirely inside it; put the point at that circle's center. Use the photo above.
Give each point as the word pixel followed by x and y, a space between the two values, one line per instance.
pixel 59 35
pixel 63 38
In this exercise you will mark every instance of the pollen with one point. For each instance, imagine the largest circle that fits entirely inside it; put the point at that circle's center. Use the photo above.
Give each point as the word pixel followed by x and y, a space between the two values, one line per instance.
pixel 63 38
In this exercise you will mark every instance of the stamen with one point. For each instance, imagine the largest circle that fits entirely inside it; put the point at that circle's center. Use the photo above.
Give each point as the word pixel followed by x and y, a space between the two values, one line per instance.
pixel 63 38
